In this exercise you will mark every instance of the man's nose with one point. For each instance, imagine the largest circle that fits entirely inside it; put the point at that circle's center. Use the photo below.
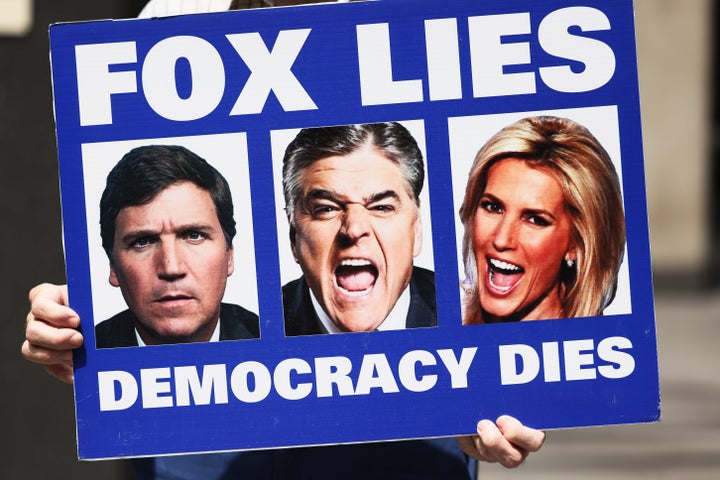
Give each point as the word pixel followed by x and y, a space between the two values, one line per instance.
pixel 170 261
pixel 355 224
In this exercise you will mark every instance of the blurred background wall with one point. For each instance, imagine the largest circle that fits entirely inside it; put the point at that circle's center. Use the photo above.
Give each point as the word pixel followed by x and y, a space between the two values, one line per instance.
pixel 676 43
pixel 675 53
pixel 37 413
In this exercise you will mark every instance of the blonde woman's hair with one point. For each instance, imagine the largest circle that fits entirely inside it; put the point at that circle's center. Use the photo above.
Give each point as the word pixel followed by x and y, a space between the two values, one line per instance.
pixel 591 190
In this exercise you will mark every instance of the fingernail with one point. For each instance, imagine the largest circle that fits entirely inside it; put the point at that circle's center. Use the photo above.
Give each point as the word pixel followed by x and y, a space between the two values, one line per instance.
pixel 483 425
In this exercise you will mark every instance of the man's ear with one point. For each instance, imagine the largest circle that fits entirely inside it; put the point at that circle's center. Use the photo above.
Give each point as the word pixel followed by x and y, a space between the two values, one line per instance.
pixel 113 276
pixel 417 235
pixel 293 234
pixel 231 261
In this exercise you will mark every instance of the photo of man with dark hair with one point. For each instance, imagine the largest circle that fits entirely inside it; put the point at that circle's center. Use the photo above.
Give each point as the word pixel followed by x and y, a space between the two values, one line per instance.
pixel 166 222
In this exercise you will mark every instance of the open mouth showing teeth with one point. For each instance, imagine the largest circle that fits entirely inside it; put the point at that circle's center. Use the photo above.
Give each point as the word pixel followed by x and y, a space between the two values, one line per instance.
pixel 503 276
pixel 356 277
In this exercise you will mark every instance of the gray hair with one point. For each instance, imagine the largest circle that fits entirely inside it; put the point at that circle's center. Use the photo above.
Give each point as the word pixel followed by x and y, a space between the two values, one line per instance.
pixel 313 144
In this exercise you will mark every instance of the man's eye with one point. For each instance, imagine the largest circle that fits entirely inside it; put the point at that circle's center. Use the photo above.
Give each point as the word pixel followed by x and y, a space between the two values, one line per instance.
pixel 324 211
pixel 140 243
pixel 383 209
pixel 195 236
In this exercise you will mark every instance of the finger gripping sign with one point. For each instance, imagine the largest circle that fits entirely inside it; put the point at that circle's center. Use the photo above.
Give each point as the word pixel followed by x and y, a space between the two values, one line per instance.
pixel 284 226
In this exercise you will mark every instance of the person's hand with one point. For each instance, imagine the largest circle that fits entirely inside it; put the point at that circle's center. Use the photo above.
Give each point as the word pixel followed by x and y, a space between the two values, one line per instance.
pixel 50 331
pixel 507 441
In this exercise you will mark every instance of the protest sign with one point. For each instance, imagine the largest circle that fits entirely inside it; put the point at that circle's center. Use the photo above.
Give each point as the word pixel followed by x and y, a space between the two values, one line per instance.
pixel 236 88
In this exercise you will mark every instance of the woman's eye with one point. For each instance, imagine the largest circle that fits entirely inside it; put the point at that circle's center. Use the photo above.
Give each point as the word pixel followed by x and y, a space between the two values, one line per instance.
pixel 539 221
pixel 492 207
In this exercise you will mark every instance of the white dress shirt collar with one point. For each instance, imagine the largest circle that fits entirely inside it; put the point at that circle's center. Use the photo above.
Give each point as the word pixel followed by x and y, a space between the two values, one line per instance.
pixel 396 319
pixel 215 337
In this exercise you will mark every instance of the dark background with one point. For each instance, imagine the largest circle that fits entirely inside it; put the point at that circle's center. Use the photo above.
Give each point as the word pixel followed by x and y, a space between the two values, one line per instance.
pixel 38 414
pixel 38 423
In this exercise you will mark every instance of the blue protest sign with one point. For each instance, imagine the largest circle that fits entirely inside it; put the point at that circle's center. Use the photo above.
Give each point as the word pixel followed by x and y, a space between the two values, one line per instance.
pixel 333 223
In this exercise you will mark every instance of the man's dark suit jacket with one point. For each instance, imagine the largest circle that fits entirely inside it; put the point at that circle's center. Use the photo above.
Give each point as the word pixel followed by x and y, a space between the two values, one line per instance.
pixel 300 317
pixel 236 323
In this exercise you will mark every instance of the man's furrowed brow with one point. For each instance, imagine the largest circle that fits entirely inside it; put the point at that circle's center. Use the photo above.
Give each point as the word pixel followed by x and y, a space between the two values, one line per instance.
pixel 195 226
pixel 332 196
pixel 131 237
pixel 177 229
pixel 380 196
pixel 323 194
